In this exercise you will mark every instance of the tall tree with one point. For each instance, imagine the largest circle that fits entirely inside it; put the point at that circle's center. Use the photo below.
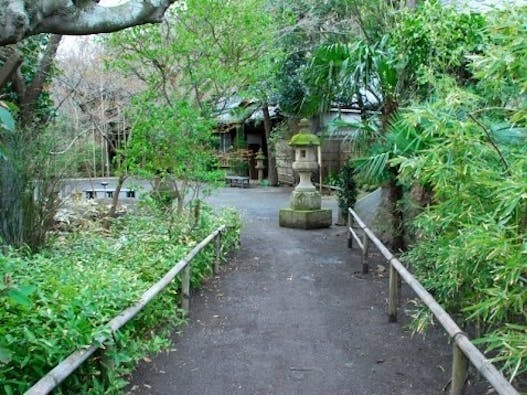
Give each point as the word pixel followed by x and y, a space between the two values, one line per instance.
pixel 29 78
pixel 204 52
pixel 28 198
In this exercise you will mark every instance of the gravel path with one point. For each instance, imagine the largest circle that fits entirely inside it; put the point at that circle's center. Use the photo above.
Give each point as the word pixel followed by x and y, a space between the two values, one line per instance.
pixel 291 314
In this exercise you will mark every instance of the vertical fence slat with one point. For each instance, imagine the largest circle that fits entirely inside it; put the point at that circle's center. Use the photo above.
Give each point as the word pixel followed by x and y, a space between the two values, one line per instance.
pixel 350 236
pixel 217 252
pixel 106 362
pixel 393 298
pixel 459 370
pixel 185 288
pixel 364 255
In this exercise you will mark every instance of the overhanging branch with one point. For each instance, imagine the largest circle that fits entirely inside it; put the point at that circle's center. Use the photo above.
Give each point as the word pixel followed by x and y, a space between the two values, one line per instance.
pixel 23 18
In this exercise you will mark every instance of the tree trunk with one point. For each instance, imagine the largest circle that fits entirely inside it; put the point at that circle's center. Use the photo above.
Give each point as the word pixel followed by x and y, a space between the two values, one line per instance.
pixel 272 174
pixel 115 199
pixel 180 204
pixel 395 195
pixel 389 108
pixel 9 68
pixel 33 92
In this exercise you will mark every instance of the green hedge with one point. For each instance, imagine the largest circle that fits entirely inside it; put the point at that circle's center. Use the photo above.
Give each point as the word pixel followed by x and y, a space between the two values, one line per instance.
pixel 58 300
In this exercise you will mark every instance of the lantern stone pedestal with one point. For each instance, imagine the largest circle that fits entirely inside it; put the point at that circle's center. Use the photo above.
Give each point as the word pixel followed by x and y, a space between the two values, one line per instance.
pixel 260 157
pixel 305 210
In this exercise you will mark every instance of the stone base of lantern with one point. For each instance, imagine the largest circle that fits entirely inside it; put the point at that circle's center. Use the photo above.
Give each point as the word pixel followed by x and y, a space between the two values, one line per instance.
pixel 305 200
pixel 305 219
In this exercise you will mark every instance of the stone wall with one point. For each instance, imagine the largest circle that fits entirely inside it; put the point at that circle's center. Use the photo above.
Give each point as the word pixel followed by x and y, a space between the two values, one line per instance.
pixel 284 162
pixel 331 153
pixel 335 152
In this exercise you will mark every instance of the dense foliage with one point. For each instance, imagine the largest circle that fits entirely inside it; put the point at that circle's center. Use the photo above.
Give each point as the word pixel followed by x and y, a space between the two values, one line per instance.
pixel 470 250
pixel 449 90
pixel 58 300
pixel 442 100
pixel 347 194
pixel 29 174
pixel 174 145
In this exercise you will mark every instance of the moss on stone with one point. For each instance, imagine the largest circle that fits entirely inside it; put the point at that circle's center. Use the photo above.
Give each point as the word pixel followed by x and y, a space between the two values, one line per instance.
pixel 304 140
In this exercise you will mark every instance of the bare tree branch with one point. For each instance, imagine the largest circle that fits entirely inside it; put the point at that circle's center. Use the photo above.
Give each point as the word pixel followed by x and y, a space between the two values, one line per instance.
pixel 506 166
pixel 24 18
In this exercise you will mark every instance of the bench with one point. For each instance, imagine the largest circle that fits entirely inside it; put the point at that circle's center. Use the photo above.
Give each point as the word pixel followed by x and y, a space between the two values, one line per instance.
pixel 237 181
pixel 92 193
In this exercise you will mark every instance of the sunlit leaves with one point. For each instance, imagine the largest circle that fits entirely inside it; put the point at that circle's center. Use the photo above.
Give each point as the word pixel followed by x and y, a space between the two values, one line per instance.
pixel 207 50
pixel 172 141
pixel 501 69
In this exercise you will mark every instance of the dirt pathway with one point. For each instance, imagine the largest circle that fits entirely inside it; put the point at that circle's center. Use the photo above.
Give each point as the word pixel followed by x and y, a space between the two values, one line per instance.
pixel 291 314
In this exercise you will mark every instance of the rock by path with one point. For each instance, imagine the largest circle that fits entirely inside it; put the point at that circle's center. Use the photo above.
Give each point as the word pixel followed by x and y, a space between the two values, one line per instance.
pixel 291 314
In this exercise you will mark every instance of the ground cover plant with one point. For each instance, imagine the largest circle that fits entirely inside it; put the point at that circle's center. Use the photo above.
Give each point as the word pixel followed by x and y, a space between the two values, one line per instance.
pixel 59 299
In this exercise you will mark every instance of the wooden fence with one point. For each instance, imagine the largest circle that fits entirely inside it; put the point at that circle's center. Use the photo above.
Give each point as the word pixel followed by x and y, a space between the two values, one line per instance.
pixel 60 372
pixel 463 349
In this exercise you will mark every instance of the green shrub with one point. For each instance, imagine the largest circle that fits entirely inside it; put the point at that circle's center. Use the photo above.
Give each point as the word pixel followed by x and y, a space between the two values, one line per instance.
pixel 347 195
pixel 58 300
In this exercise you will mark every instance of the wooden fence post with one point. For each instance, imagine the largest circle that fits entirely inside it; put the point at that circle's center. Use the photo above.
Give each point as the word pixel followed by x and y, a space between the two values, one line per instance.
pixel 185 288
pixel 106 362
pixel 393 298
pixel 350 236
pixel 459 370
pixel 217 256
pixel 364 256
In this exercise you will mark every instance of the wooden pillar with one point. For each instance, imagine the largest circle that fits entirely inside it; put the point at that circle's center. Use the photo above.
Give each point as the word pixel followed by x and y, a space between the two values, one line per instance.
pixel 185 288
pixel 459 370
pixel 217 257
pixel 364 255
pixel 106 362
pixel 393 299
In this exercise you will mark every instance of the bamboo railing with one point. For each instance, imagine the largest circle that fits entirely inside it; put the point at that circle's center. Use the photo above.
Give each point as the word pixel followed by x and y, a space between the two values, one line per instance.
pixel 463 349
pixel 60 372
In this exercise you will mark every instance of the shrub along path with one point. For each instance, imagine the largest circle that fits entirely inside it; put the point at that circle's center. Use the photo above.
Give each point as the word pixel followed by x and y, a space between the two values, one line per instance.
pixel 291 313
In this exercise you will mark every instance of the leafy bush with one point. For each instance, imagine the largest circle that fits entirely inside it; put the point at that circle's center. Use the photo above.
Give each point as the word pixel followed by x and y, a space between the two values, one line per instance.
pixel 347 195
pixel 470 249
pixel 464 144
pixel 58 300
pixel 30 179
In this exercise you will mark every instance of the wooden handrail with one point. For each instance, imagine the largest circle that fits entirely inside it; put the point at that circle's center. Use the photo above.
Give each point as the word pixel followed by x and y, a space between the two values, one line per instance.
pixel 60 372
pixel 327 186
pixel 463 347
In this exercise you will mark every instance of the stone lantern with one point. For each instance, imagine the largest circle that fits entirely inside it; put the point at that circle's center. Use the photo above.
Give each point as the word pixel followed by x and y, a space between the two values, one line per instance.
pixel 305 205
pixel 260 157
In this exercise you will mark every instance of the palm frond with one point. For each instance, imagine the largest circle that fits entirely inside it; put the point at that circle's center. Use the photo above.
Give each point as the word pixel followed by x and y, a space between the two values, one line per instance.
pixel 404 138
pixel 373 168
